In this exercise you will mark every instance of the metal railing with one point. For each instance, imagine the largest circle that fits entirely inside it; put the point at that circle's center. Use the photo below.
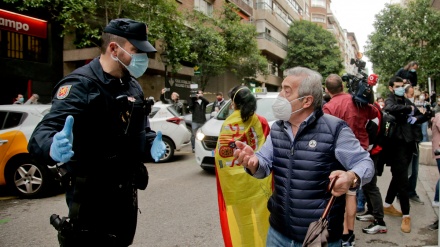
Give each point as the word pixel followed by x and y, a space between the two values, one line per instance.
pixel 272 39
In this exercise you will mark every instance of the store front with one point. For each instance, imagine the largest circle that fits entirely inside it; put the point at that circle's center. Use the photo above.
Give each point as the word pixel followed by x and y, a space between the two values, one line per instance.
pixel 30 56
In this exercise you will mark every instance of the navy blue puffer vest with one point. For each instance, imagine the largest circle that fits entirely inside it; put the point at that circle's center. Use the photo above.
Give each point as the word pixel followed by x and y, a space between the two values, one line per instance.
pixel 301 171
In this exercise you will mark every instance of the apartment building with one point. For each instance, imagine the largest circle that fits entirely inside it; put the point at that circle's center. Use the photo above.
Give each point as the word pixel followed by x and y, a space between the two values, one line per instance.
pixel 272 19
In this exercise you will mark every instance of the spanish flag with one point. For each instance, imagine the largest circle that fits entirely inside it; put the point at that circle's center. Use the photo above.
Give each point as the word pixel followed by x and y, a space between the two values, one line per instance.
pixel 242 199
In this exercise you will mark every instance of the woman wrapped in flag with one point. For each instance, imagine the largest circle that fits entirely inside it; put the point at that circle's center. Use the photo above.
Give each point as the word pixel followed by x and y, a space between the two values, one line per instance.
pixel 242 199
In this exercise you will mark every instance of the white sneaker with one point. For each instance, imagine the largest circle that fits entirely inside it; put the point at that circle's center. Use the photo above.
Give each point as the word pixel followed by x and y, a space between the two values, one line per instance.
pixel 435 204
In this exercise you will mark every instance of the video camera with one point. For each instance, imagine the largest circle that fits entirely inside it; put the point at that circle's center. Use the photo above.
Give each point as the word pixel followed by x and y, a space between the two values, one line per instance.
pixel 194 90
pixel 357 85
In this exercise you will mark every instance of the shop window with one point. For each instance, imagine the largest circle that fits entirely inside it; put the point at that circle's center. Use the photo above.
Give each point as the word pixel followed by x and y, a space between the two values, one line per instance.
pixel 20 46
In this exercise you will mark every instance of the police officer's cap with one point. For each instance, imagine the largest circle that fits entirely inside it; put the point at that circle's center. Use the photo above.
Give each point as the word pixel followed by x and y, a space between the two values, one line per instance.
pixel 135 32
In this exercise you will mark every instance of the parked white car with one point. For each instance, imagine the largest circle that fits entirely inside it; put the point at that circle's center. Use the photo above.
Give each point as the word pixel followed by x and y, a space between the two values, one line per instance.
pixel 18 170
pixel 164 118
pixel 207 135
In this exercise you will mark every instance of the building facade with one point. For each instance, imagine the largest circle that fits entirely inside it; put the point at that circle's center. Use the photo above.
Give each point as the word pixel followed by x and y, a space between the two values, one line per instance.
pixel 30 55
pixel 272 19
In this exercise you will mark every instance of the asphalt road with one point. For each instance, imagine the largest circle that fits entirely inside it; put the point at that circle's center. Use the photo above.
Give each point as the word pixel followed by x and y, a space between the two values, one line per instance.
pixel 179 208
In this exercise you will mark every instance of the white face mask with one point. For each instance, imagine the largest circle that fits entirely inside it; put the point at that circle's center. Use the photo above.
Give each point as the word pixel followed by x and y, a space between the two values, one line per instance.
pixel 411 99
pixel 282 108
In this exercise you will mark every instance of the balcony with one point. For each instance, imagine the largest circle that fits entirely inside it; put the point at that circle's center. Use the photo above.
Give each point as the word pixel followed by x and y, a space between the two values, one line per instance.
pixel 272 39
pixel 244 5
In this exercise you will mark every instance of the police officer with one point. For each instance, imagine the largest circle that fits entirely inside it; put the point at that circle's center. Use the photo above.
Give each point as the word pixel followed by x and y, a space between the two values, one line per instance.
pixel 95 132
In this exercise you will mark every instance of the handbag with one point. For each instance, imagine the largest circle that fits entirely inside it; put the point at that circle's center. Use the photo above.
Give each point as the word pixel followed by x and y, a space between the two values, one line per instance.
pixel 389 123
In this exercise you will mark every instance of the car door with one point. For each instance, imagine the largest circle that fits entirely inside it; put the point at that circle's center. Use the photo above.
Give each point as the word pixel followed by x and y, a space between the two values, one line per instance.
pixel 10 133
pixel 158 121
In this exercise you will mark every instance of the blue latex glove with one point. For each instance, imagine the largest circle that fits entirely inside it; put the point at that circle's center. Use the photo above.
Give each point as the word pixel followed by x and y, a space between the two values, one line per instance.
pixel 61 148
pixel 412 120
pixel 158 148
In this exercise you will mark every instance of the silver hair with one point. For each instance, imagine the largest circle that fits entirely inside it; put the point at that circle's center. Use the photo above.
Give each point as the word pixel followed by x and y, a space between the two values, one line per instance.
pixel 311 84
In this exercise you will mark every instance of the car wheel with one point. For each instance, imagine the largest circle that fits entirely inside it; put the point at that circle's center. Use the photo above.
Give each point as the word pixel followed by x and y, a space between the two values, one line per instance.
pixel 169 149
pixel 27 179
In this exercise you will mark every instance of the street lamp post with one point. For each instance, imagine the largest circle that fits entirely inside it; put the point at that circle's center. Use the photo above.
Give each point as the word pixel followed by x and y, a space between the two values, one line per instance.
pixel 165 61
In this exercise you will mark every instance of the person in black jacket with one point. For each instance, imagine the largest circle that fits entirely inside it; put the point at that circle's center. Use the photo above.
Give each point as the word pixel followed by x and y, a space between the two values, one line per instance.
pixel 96 132
pixel 409 73
pixel 219 103
pixel 197 106
pixel 399 151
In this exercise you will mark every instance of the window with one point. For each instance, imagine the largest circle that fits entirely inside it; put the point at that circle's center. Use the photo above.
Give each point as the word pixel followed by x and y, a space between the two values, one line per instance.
pixel 203 6
pixel 264 4
pixel 306 9
pixel 318 18
pixel 295 6
pixel 10 119
pixel 319 3
pixel 282 14
pixel 20 46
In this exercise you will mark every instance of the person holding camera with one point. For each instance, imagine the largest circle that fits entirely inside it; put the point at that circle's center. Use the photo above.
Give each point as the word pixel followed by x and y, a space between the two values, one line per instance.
pixel 343 106
pixel 399 149
pixel 178 106
pixel 95 133
pixel 197 106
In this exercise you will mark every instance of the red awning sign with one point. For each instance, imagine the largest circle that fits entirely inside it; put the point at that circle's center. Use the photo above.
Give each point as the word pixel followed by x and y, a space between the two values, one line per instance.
pixel 23 24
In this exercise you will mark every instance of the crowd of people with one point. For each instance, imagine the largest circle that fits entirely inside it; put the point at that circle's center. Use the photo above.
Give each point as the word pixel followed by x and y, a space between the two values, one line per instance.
pixel 288 156
pixel 272 183
pixel 19 100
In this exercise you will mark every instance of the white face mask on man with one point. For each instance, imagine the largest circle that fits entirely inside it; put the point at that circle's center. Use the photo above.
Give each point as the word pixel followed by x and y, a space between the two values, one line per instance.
pixel 282 108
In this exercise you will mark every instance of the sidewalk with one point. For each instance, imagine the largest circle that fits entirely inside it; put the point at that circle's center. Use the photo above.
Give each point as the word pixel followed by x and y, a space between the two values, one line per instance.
pixel 428 176
pixel 421 215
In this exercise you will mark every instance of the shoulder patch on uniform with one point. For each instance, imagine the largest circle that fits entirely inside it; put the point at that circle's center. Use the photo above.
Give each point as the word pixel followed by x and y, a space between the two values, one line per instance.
pixel 63 91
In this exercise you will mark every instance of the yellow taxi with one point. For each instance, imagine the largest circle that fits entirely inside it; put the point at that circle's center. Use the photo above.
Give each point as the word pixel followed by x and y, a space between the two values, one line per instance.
pixel 18 171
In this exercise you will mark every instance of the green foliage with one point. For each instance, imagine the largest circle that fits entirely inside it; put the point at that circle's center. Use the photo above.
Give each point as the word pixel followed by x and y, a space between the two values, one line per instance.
pixel 224 42
pixel 214 44
pixel 244 58
pixel 77 16
pixel 382 90
pixel 313 47
pixel 405 34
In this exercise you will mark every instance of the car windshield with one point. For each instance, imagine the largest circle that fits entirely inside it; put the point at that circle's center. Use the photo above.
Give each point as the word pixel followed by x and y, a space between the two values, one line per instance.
pixel 264 108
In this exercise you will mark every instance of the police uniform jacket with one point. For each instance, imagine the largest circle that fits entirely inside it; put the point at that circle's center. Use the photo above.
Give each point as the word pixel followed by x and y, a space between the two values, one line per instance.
pixel 108 142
